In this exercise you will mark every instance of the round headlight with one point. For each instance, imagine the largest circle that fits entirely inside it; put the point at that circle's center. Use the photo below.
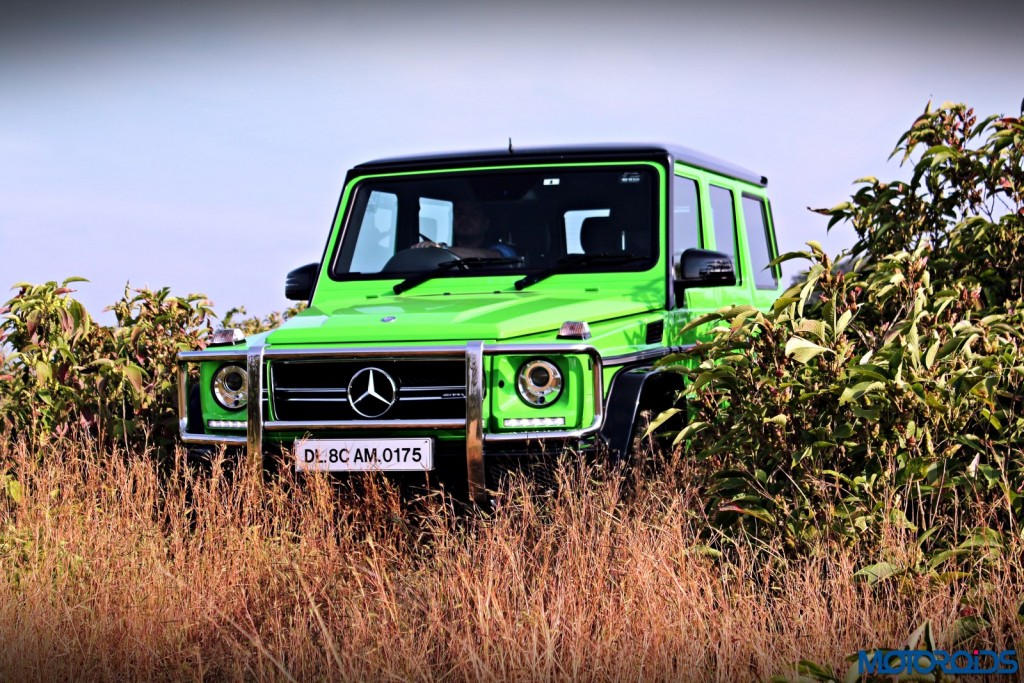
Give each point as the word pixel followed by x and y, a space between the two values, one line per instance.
pixel 231 387
pixel 539 382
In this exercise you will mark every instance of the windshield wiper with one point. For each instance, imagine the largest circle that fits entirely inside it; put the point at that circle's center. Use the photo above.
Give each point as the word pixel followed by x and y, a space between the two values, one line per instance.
pixel 443 267
pixel 570 262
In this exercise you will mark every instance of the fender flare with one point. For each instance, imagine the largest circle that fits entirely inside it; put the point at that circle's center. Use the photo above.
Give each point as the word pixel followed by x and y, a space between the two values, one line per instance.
pixel 631 388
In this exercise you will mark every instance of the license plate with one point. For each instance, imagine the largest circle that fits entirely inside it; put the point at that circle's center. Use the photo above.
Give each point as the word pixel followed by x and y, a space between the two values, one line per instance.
pixel 363 455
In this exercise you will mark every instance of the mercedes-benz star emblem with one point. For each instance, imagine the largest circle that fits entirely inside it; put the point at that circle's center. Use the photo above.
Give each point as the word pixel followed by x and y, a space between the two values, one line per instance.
pixel 372 392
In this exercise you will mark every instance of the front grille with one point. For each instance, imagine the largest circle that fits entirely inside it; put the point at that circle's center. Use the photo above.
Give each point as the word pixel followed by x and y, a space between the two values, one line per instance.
pixel 427 388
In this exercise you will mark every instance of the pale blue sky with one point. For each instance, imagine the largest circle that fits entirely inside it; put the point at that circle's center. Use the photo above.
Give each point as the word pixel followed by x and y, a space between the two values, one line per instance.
pixel 204 148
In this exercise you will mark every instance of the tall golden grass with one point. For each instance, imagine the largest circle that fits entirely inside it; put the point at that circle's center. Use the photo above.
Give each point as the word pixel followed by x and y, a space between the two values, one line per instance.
pixel 115 568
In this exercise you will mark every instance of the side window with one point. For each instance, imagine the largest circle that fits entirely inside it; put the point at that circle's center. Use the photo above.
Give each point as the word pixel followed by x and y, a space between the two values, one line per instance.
pixel 723 218
pixel 685 216
pixel 436 220
pixel 377 233
pixel 755 217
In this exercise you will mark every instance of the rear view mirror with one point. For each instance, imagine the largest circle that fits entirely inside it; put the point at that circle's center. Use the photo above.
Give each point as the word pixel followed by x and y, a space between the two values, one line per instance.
pixel 704 268
pixel 299 284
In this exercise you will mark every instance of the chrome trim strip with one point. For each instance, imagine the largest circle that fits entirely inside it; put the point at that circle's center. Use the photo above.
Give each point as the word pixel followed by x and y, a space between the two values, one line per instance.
pixel 280 426
pixel 396 352
pixel 454 387
pixel 641 356
pixel 310 390
pixel 505 349
pixel 315 400
pixel 183 400
pixel 342 392
pixel 238 355
pixel 254 365
pixel 215 439
pixel 431 398
pixel 475 422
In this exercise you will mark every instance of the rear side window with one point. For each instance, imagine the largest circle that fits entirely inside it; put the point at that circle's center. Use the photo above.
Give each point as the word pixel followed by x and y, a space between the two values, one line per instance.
pixel 723 218
pixel 755 215
pixel 685 216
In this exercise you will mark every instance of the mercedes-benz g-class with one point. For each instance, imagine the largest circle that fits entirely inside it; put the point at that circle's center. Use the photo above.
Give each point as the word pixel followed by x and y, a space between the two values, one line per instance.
pixel 469 308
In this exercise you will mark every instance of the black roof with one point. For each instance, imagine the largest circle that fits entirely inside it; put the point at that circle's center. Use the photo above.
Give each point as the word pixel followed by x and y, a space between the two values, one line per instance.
pixel 567 153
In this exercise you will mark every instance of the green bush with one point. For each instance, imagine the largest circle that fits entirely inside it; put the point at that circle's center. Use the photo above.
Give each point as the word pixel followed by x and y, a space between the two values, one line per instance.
pixel 254 324
pixel 61 372
pixel 889 394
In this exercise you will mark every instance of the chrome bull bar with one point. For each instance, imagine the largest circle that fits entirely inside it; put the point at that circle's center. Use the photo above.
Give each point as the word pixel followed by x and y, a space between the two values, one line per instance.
pixel 256 357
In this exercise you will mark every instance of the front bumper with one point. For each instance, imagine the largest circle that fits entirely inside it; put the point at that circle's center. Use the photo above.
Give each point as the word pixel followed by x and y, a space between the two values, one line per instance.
pixel 257 356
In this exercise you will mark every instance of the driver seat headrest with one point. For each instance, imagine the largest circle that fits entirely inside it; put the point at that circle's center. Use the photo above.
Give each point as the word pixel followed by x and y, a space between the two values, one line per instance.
pixel 598 235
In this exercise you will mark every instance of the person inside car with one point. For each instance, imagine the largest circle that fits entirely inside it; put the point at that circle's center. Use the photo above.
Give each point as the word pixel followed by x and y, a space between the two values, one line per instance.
pixel 470 225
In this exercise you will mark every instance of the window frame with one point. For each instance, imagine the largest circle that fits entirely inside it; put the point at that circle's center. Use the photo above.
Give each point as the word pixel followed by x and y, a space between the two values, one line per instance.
pixel 357 194
pixel 769 238
pixel 701 241
pixel 736 250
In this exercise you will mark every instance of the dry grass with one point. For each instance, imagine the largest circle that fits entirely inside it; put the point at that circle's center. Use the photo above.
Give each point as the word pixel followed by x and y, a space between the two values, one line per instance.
pixel 112 570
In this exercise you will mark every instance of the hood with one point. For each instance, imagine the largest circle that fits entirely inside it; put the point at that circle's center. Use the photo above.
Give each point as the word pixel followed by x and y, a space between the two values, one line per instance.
pixel 490 316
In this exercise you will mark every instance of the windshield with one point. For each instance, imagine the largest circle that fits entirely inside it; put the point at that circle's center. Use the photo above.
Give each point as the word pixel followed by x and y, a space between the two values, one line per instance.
pixel 508 222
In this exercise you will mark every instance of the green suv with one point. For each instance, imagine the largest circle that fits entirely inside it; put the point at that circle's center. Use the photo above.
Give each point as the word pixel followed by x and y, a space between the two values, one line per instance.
pixel 478 307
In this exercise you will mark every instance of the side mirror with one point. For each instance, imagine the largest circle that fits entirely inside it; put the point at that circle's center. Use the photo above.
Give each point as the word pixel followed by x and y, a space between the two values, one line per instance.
pixel 299 284
pixel 704 268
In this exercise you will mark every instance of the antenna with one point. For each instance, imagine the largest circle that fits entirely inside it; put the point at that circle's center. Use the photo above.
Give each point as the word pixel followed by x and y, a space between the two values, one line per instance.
pixel 510 150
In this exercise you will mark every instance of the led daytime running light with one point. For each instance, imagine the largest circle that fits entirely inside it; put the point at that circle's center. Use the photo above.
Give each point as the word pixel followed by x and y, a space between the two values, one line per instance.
pixel 534 422
pixel 227 424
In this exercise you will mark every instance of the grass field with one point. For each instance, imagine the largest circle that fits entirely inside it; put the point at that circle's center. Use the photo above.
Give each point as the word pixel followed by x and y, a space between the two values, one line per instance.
pixel 113 569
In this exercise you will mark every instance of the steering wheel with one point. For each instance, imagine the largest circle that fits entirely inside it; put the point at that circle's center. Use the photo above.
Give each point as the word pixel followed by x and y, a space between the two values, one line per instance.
pixel 416 259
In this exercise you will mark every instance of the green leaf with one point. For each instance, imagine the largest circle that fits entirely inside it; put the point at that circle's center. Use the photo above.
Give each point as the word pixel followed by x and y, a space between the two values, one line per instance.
pixel 881 571
pixel 802 350
pixel 971 441
pixel 44 373
pixel 844 320
pixel 134 375
pixel 15 490
pixel 689 430
pixel 783 302
pixel 661 419
pixel 858 390
pixel 929 357
pixel 755 511
pixel 814 327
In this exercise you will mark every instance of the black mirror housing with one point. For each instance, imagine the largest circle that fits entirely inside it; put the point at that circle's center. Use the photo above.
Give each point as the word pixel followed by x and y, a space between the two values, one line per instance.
pixel 704 268
pixel 298 286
